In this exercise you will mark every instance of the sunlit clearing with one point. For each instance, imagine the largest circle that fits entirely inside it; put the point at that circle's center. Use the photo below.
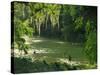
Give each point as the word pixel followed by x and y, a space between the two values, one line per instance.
pixel 37 40
pixel 60 42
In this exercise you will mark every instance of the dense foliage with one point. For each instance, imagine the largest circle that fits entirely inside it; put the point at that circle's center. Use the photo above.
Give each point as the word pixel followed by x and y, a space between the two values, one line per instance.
pixel 71 23
pixel 23 65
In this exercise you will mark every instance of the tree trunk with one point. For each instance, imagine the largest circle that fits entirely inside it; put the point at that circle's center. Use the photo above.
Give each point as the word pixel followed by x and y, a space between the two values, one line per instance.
pixel 58 22
pixel 23 11
pixel 46 22
pixel 39 28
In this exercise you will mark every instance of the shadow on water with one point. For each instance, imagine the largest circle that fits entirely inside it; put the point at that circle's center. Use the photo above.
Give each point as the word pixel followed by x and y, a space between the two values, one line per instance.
pixel 24 65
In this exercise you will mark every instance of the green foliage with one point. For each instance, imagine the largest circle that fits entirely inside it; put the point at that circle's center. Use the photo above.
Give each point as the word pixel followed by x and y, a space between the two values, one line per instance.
pixel 91 47
pixel 25 65
pixel 88 27
pixel 79 23
pixel 21 42
pixel 73 10
pixel 21 22
pixel 74 24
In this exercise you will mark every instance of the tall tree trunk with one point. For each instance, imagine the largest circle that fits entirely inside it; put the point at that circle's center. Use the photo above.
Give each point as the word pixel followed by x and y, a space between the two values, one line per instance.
pixel 39 28
pixel 58 23
pixel 46 21
pixel 23 11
